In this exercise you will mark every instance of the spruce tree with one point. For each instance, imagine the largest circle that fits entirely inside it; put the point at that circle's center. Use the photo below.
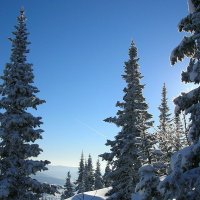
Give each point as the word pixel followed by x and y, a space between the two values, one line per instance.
pixel 146 188
pixel 165 130
pixel 147 149
pixel 69 188
pixel 164 117
pixel 89 175
pixel 106 177
pixel 98 180
pixel 126 147
pixel 170 134
pixel 179 139
pixel 184 180
pixel 19 128
pixel 80 182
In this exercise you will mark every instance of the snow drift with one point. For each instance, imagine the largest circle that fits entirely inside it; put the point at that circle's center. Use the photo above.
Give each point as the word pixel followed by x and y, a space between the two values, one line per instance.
pixel 92 195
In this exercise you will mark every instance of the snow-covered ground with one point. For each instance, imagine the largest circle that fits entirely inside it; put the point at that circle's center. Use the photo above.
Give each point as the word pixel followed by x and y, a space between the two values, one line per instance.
pixel 92 195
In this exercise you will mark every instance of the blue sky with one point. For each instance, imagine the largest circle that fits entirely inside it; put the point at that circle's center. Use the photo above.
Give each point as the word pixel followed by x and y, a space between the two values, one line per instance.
pixel 78 50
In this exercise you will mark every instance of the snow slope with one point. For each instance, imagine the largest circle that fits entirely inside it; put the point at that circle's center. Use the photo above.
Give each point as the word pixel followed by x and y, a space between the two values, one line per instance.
pixel 92 195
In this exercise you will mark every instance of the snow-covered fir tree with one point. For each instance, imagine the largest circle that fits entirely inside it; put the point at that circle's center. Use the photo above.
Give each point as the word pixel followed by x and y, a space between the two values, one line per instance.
pixel 80 182
pixel 19 128
pixel 126 147
pixel 179 138
pixel 106 177
pixel 164 117
pixel 170 135
pixel 89 175
pixel 165 130
pixel 184 180
pixel 146 189
pixel 147 149
pixel 69 188
pixel 98 179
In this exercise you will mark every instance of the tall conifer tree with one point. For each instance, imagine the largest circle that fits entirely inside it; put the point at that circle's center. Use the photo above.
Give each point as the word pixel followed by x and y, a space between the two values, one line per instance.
pixel 184 180
pixel 69 188
pixel 106 177
pixel 165 130
pixel 164 117
pixel 19 128
pixel 126 147
pixel 80 182
pixel 89 179
pixel 98 180
pixel 179 139
pixel 147 149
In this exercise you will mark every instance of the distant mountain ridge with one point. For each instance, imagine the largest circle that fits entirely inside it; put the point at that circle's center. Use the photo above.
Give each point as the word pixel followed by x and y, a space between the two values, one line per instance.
pixel 56 174
pixel 43 178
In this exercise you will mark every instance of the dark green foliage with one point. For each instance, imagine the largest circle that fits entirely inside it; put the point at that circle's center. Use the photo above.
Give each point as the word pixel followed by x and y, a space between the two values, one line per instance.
pixel 89 175
pixel 133 118
pixel 69 188
pixel 183 181
pixel 106 177
pixel 98 180
pixel 19 129
pixel 80 182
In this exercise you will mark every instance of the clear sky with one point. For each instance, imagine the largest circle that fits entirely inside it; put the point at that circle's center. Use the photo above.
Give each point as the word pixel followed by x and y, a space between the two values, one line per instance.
pixel 78 48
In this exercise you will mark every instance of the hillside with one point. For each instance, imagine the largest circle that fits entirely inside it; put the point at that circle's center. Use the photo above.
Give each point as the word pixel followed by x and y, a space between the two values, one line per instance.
pixel 56 174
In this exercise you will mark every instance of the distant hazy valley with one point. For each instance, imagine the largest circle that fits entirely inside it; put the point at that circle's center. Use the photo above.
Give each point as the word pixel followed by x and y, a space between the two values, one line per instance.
pixel 56 174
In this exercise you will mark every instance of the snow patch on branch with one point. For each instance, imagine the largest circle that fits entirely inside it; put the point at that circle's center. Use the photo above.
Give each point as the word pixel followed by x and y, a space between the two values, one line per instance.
pixel 191 7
